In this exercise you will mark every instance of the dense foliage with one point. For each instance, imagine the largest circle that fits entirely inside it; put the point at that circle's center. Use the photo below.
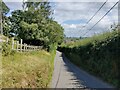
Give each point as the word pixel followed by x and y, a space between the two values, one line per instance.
pixel 4 8
pixel 6 49
pixel 99 55
pixel 34 24
pixel 3 11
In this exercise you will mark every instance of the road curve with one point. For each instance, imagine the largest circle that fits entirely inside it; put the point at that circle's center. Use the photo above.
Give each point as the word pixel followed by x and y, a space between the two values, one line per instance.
pixel 67 75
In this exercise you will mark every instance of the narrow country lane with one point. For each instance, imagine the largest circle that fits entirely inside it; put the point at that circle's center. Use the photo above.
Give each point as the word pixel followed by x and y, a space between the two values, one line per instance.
pixel 67 75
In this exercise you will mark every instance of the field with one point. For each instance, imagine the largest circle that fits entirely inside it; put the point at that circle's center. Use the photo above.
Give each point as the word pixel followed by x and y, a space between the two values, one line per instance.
pixel 99 55
pixel 27 69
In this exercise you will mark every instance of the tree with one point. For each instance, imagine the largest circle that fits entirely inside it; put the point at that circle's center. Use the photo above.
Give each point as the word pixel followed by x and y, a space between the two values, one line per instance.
pixel 4 19
pixel 35 24
pixel 5 9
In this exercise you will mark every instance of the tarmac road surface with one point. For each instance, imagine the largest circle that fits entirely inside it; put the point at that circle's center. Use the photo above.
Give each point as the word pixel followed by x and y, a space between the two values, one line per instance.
pixel 67 75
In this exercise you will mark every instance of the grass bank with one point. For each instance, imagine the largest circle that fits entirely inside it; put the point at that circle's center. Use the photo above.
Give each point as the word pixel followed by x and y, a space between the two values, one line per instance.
pixel 28 69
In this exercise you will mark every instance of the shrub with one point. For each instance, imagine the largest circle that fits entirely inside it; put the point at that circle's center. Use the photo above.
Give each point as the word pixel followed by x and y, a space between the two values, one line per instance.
pixel 7 48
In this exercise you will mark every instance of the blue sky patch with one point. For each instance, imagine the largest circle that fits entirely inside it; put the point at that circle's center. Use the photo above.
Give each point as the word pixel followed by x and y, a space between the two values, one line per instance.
pixel 75 21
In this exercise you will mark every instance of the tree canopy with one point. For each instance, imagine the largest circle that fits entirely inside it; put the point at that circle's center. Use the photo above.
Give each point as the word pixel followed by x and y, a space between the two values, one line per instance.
pixel 3 11
pixel 4 8
pixel 35 24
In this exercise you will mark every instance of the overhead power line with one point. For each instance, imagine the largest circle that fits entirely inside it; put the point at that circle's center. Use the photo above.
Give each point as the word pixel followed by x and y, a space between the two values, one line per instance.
pixel 101 18
pixel 95 13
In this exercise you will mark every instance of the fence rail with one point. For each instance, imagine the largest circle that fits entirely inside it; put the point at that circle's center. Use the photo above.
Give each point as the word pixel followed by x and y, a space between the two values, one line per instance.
pixel 23 47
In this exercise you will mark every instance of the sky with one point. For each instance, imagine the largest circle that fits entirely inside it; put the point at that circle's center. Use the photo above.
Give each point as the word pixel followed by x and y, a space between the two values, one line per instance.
pixel 73 15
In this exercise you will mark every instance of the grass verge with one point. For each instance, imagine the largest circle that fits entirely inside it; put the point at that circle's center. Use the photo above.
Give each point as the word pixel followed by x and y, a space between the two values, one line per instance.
pixel 27 70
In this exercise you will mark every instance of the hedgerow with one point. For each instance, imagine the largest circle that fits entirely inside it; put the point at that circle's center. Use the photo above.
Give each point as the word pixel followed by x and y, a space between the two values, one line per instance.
pixel 99 55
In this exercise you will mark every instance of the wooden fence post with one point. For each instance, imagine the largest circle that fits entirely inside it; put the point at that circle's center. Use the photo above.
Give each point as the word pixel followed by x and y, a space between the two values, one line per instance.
pixel 37 48
pixel 24 47
pixel 17 45
pixel 12 43
pixel 7 40
pixel 21 45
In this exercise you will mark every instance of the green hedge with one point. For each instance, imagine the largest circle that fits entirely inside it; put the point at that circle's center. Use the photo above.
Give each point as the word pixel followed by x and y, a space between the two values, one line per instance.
pixel 100 57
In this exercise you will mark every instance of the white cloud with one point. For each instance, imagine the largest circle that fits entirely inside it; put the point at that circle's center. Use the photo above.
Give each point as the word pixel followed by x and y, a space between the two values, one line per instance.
pixel 83 10
pixel 73 26
pixel 63 0
pixel 14 5
pixel 83 0
pixel 12 0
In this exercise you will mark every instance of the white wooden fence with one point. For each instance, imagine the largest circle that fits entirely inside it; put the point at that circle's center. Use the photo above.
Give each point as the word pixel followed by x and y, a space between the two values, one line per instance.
pixel 19 46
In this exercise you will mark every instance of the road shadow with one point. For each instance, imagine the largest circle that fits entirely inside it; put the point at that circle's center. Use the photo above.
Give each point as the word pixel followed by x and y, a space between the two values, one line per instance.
pixel 77 81
pixel 83 79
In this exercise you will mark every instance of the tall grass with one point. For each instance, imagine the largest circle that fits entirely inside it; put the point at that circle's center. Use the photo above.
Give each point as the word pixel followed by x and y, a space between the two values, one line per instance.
pixel 27 70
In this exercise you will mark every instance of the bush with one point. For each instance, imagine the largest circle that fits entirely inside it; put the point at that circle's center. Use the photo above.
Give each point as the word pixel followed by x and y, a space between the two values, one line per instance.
pixel 7 49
